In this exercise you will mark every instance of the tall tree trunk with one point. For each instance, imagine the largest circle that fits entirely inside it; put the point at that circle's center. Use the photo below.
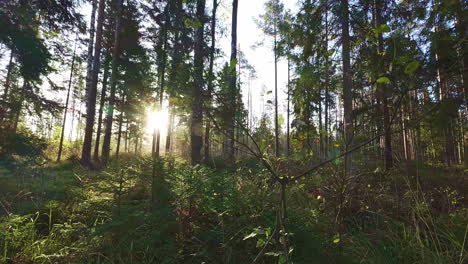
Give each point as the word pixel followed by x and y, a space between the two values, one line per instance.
pixel 445 96
pixel 91 96
pixel 232 83
pixel 210 80
pixel 275 47
pixel 113 81
pixel 70 136
pixel 347 82
pixel 119 135
pixel 7 87
pixel 462 32
pixel 162 77
pixel 196 124
pixel 288 139
pixel 177 55
pixel 126 134
pixel 320 124
pixel 89 59
pixel 388 156
pixel 327 81
pixel 59 155
pixel 101 107
pixel 169 128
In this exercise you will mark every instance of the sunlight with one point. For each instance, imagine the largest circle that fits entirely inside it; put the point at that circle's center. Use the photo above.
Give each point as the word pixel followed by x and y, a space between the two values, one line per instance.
pixel 157 120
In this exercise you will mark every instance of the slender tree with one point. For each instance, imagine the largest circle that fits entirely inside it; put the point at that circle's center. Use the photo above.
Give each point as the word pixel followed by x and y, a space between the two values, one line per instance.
pixel 347 81
pixel 105 78
pixel 91 95
pixel 210 79
pixel 62 133
pixel 196 124
pixel 232 82
pixel 382 91
pixel 113 83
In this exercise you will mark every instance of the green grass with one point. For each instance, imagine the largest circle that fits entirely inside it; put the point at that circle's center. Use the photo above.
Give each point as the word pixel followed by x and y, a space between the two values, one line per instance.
pixel 71 215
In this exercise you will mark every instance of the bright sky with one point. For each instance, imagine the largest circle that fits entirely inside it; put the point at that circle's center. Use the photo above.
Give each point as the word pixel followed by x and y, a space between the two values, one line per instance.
pixel 261 57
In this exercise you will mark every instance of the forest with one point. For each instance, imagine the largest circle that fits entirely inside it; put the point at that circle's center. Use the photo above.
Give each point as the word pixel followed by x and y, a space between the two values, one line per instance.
pixel 233 131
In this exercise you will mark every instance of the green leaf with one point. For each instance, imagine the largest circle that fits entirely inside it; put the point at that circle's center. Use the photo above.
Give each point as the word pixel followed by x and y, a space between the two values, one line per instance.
pixel 336 240
pixel 402 60
pixel 383 80
pixel 260 242
pixel 411 67
pixel 330 53
pixel 282 259
pixel 233 64
pixel 381 29
pixel 192 23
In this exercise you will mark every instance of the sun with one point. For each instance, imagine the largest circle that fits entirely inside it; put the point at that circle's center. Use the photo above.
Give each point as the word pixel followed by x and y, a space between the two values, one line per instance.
pixel 158 120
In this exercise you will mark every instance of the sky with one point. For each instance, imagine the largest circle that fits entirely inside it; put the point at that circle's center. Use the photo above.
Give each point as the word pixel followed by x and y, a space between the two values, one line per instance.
pixel 260 56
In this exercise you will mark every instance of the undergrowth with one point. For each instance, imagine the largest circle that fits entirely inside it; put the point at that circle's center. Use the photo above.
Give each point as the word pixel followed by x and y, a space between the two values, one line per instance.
pixel 123 214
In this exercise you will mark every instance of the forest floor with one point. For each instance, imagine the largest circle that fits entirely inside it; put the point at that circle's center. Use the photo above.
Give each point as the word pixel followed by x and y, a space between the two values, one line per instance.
pixel 62 213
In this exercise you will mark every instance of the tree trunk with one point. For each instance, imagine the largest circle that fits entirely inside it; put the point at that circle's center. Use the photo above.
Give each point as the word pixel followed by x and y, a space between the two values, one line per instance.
pixel 89 63
pixel 347 82
pixel 462 32
pixel 126 134
pixel 277 146
pixel 91 96
pixel 196 124
pixel 101 107
pixel 210 80
pixel 232 84
pixel 388 157
pixel 169 128
pixel 7 87
pixel 59 155
pixel 327 81
pixel 162 78
pixel 288 140
pixel 113 81
pixel 119 135
pixel 445 97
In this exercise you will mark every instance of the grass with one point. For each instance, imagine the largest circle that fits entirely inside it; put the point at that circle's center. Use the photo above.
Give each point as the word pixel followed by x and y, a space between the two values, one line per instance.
pixel 65 214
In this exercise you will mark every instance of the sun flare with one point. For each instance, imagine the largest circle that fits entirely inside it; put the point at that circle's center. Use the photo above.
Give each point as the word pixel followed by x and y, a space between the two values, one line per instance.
pixel 157 120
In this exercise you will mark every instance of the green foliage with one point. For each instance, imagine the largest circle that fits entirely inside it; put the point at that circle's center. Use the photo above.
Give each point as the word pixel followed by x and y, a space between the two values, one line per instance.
pixel 411 67
pixel 383 80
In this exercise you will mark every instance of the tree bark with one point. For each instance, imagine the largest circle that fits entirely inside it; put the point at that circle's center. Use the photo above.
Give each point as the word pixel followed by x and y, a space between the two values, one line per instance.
pixel 288 140
pixel 91 96
pixel 169 128
pixel 113 81
pixel 277 146
pixel 7 87
pixel 445 96
pixel 327 81
pixel 119 135
pixel 388 156
pixel 89 63
pixel 101 107
pixel 232 83
pixel 162 77
pixel 347 82
pixel 210 80
pixel 196 124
